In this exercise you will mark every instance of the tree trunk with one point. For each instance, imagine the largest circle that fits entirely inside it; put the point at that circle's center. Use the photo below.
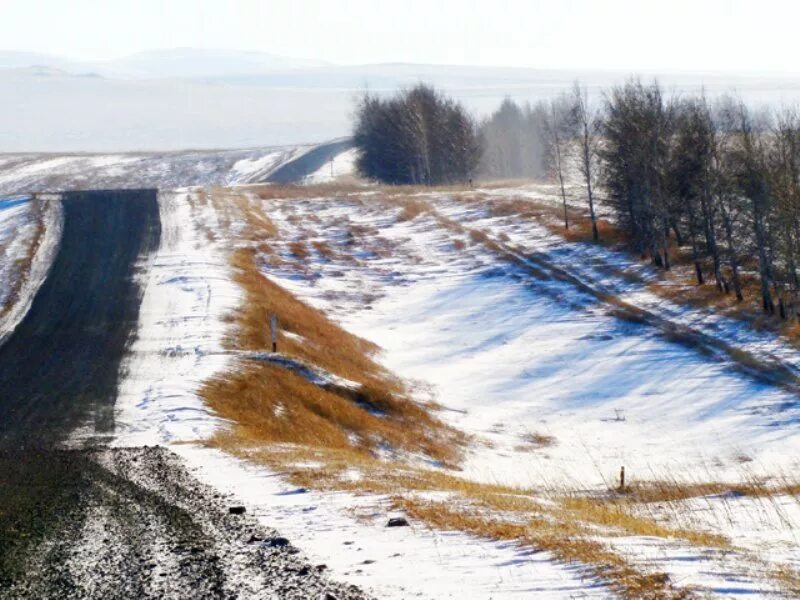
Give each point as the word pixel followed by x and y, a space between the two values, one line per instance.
pixel 737 286
pixel 711 239
pixel 763 262
pixel 693 237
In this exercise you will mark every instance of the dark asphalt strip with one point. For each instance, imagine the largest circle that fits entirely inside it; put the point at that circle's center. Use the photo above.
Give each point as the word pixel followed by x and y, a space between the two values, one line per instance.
pixel 294 171
pixel 61 364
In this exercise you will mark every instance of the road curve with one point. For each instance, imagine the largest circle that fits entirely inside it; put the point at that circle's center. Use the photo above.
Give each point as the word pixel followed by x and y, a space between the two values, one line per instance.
pixel 295 170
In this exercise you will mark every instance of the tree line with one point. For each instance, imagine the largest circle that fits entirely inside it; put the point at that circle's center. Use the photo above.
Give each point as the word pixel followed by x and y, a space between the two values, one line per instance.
pixel 417 137
pixel 715 177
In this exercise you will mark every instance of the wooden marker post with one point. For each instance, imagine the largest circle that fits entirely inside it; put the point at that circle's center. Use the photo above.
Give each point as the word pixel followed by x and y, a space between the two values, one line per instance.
pixel 273 325
pixel 622 479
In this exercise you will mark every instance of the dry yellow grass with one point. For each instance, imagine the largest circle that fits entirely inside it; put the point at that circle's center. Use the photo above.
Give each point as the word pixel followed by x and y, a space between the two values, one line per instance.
pixel 560 526
pixel 568 544
pixel 412 208
pixel 616 514
pixel 269 402
pixel 535 441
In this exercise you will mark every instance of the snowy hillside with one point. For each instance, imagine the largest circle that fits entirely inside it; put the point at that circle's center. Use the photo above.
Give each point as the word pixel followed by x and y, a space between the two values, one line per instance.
pixel 555 388
pixel 27 173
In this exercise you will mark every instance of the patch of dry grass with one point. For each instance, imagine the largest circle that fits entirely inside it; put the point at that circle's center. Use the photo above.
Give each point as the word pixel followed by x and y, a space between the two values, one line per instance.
pixel 535 441
pixel 617 514
pixel 299 249
pixel 269 403
pixel 412 208
pixel 567 543
pixel 561 526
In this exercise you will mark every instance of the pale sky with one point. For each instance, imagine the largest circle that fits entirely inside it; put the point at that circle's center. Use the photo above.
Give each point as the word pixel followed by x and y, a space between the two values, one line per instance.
pixel 697 35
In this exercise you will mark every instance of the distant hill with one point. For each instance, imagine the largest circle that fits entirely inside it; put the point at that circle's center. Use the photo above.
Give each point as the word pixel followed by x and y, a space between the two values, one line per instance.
pixel 191 63
pixel 11 59
pixel 198 63
pixel 189 98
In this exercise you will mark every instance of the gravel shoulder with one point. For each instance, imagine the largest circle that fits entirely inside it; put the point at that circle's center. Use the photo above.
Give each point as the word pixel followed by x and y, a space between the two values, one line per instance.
pixel 143 527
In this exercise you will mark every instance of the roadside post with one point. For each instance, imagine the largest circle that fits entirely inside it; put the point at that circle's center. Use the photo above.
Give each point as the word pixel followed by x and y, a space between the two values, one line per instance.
pixel 273 325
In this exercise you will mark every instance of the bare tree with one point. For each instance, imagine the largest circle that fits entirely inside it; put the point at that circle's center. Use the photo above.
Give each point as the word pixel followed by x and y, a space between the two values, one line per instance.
pixel 588 123
pixel 559 126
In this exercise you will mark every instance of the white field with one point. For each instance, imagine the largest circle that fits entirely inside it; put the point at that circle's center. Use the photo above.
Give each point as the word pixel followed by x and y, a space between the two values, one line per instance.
pixel 27 173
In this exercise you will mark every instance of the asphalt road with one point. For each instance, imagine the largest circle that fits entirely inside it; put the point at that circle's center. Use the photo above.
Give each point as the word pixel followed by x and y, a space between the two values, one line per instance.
pixel 60 366
pixel 294 171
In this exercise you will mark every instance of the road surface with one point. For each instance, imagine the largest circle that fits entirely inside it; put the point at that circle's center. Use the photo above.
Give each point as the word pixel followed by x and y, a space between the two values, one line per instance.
pixel 294 171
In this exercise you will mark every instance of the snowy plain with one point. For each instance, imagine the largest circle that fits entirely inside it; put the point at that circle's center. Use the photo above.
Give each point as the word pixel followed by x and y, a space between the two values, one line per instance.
pixel 28 173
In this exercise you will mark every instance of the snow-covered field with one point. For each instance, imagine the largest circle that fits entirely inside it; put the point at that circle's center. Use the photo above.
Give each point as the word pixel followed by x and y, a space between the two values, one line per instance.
pixel 512 355
pixel 27 173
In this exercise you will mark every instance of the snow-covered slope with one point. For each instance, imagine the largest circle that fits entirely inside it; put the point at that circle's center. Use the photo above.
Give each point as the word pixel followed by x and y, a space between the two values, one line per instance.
pixel 30 232
pixel 556 390
pixel 511 354
pixel 27 173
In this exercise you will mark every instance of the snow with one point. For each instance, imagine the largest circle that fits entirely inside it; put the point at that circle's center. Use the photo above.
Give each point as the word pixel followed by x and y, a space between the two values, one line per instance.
pixel 164 170
pixel 509 354
pixel 16 232
pixel 179 343
pixel 342 165
pixel 769 526
pixel 18 223
pixel 345 531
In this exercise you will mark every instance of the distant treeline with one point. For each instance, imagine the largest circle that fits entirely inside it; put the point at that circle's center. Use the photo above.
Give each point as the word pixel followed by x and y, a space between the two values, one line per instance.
pixel 416 137
pixel 715 177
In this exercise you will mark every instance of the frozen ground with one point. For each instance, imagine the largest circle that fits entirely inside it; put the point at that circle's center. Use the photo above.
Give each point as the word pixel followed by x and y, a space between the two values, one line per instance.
pixel 26 173
pixel 29 235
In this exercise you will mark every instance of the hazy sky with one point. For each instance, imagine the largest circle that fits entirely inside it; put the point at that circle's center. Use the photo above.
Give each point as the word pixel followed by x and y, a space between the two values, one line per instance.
pixel 733 35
